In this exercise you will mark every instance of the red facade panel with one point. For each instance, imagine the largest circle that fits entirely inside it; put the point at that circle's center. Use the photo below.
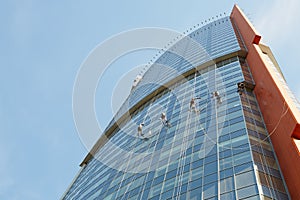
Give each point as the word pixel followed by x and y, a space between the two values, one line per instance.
pixel 279 118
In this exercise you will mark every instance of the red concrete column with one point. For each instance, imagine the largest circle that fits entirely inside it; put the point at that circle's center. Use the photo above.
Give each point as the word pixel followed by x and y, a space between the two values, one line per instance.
pixel 280 119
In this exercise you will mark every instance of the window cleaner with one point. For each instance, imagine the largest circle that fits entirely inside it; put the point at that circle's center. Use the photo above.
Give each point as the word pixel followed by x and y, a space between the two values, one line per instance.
pixel 216 94
pixel 193 105
pixel 140 130
pixel 241 88
pixel 164 120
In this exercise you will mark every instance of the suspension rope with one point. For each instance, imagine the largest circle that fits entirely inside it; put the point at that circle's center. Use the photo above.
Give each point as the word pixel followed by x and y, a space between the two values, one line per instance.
pixel 166 123
pixel 126 169
pixel 147 113
pixel 194 91
pixel 181 149
pixel 184 146
pixel 182 155
pixel 282 115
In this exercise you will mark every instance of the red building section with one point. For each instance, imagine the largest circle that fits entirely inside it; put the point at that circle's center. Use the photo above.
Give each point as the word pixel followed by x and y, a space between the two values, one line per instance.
pixel 279 112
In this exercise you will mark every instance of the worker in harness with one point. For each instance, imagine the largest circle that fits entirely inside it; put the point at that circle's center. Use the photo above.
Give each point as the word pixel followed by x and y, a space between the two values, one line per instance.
pixel 193 104
pixel 164 120
pixel 216 95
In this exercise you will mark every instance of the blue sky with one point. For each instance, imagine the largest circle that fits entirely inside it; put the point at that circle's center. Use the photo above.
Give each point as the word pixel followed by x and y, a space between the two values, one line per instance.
pixel 43 44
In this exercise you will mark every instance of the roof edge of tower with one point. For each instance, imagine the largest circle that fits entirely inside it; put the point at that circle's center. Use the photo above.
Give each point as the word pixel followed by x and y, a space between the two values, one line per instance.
pixel 249 33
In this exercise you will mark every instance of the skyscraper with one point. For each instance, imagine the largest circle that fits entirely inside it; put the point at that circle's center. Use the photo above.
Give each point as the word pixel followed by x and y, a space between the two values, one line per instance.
pixel 212 118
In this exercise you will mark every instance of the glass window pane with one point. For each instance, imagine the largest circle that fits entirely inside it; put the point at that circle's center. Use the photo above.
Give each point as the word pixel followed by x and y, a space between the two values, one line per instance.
pixel 245 179
pixel 247 192
pixel 210 190
pixel 227 196
pixel 226 185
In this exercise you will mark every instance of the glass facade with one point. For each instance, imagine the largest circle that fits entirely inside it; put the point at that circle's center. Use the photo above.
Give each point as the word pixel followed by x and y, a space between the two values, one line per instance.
pixel 216 149
pixel 207 43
